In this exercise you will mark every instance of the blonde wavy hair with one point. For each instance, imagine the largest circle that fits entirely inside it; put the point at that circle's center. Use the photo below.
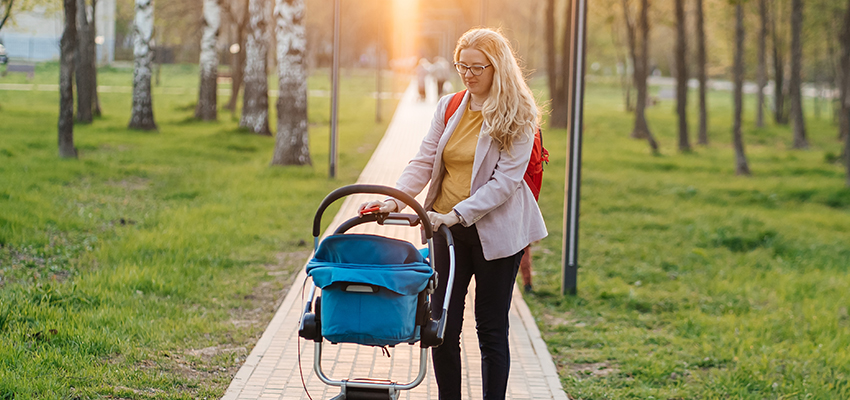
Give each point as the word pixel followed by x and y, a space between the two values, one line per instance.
pixel 510 110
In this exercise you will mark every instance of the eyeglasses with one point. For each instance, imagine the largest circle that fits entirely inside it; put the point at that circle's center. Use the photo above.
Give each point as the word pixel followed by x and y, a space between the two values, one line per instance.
pixel 476 70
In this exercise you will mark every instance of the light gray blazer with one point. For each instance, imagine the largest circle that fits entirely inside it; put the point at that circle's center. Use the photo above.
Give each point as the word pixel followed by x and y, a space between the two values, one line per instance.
pixel 501 205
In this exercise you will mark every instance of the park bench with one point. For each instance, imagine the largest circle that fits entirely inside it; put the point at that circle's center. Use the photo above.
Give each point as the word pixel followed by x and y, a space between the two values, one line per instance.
pixel 28 69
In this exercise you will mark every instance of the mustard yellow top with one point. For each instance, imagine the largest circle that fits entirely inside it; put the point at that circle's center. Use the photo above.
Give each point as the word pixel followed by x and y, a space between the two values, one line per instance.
pixel 458 157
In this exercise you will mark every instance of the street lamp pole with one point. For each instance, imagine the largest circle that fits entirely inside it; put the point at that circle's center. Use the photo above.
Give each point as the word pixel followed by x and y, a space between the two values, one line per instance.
pixel 334 95
pixel 575 114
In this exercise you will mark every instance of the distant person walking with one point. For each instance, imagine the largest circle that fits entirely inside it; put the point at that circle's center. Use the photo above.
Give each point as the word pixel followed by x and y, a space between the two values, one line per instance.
pixel 441 70
pixel 423 69
pixel 475 164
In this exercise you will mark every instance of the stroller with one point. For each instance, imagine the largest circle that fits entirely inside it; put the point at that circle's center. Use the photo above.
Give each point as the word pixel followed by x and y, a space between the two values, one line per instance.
pixel 375 291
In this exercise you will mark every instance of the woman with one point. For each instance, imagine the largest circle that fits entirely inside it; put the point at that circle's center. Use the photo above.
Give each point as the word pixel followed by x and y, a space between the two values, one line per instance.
pixel 475 164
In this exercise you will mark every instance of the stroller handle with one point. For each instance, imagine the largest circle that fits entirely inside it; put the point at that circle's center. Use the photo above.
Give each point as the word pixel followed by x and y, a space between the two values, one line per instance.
pixel 375 189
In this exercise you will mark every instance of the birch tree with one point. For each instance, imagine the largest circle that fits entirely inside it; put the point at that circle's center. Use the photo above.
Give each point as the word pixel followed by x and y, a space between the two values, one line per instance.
pixel 207 96
pixel 796 82
pixel 142 113
pixel 292 141
pixel 255 102
pixel 66 81
pixel 741 166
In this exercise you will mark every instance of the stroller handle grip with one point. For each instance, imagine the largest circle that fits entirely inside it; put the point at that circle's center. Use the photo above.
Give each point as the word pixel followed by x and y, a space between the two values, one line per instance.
pixel 373 189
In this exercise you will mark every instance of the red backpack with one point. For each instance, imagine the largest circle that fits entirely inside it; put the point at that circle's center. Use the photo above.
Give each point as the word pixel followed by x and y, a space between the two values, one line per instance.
pixel 534 172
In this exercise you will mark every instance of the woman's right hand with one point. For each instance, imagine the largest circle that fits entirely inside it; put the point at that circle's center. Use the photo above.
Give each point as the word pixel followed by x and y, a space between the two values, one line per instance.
pixel 383 207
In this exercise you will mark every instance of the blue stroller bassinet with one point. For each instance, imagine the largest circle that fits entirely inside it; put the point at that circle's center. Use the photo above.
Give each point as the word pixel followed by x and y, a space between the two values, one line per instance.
pixel 374 291
pixel 370 288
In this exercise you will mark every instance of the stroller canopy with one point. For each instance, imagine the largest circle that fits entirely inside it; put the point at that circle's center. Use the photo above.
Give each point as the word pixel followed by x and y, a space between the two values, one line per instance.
pixel 372 260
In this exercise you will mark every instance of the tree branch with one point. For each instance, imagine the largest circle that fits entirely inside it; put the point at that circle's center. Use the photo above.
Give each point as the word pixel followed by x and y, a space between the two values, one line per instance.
pixel 8 13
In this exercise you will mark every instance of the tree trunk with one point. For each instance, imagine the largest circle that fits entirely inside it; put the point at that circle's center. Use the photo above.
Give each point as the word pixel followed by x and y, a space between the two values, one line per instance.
pixel 558 65
pixel 95 100
pixel 83 63
pixel 7 13
pixel 255 102
pixel 641 129
pixel 292 142
pixel 844 78
pixel 207 97
pixel 682 77
pixel 142 114
pixel 237 66
pixel 779 107
pixel 702 135
pixel 741 167
pixel 762 64
pixel 630 36
pixel 66 81
pixel 795 84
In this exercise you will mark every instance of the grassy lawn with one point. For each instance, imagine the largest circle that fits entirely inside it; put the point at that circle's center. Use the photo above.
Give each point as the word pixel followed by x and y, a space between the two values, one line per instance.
pixel 694 282
pixel 149 267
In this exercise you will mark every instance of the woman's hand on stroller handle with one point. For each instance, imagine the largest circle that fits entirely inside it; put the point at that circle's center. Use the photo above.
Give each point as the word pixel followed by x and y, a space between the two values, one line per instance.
pixel 377 206
pixel 438 219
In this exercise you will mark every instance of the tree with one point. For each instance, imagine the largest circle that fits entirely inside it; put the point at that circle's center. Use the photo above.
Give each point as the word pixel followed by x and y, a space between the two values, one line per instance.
pixel 238 17
pixel 558 65
pixel 741 167
pixel 207 96
pixel 845 87
pixel 292 142
pixel 641 71
pixel 702 135
pixel 780 114
pixel 255 102
pixel 7 11
pixel 761 74
pixel 796 80
pixel 93 57
pixel 66 81
pixel 84 63
pixel 631 40
pixel 682 77
pixel 142 114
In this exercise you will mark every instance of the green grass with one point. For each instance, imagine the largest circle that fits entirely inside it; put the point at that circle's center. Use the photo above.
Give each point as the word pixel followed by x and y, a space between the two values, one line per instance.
pixel 694 282
pixel 150 266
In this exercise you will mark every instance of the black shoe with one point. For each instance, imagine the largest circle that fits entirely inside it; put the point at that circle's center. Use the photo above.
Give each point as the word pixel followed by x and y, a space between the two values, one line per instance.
pixel 527 288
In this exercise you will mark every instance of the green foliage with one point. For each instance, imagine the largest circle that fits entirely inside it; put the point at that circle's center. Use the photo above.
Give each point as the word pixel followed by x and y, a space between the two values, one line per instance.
pixel 694 282
pixel 115 267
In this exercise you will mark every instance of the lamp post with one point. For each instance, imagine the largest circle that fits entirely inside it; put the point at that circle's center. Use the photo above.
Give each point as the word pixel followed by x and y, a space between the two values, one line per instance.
pixel 569 272
pixel 334 96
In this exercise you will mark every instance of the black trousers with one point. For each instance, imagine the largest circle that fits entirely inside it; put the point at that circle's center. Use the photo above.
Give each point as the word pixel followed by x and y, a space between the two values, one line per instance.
pixel 494 282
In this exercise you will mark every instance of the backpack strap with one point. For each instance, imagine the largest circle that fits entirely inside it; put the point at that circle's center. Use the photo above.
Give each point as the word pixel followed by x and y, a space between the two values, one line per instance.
pixel 454 103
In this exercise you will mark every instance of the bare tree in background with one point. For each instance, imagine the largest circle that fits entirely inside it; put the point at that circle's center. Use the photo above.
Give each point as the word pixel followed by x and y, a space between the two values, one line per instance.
pixel 292 141
pixel 84 63
pixel 796 81
pixel 845 87
pixel 741 167
pixel 631 40
pixel 207 96
pixel 682 76
pixel 761 74
pixel 641 129
pixel 66 81
pixel 237 12
pixel 142 114
pixel 95 100
pixel 780 114
pixel 255 101
pixel 702 134
pixel 558 65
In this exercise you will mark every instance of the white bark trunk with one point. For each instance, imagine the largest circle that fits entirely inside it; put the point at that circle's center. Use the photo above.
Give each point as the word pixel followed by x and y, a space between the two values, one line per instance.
pixel 207 99
pixel 255 107
pixel 142 116
pixel 292 142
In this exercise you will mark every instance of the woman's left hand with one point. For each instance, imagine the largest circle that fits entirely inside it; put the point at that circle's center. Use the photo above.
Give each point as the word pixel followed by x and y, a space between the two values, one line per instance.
pixel 438 219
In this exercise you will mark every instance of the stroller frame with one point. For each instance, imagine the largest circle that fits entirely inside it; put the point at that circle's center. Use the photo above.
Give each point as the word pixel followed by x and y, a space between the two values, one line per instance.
pixel 431 331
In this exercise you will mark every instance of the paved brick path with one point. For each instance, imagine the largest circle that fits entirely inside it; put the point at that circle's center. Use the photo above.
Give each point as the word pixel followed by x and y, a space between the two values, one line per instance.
pixel 271 371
